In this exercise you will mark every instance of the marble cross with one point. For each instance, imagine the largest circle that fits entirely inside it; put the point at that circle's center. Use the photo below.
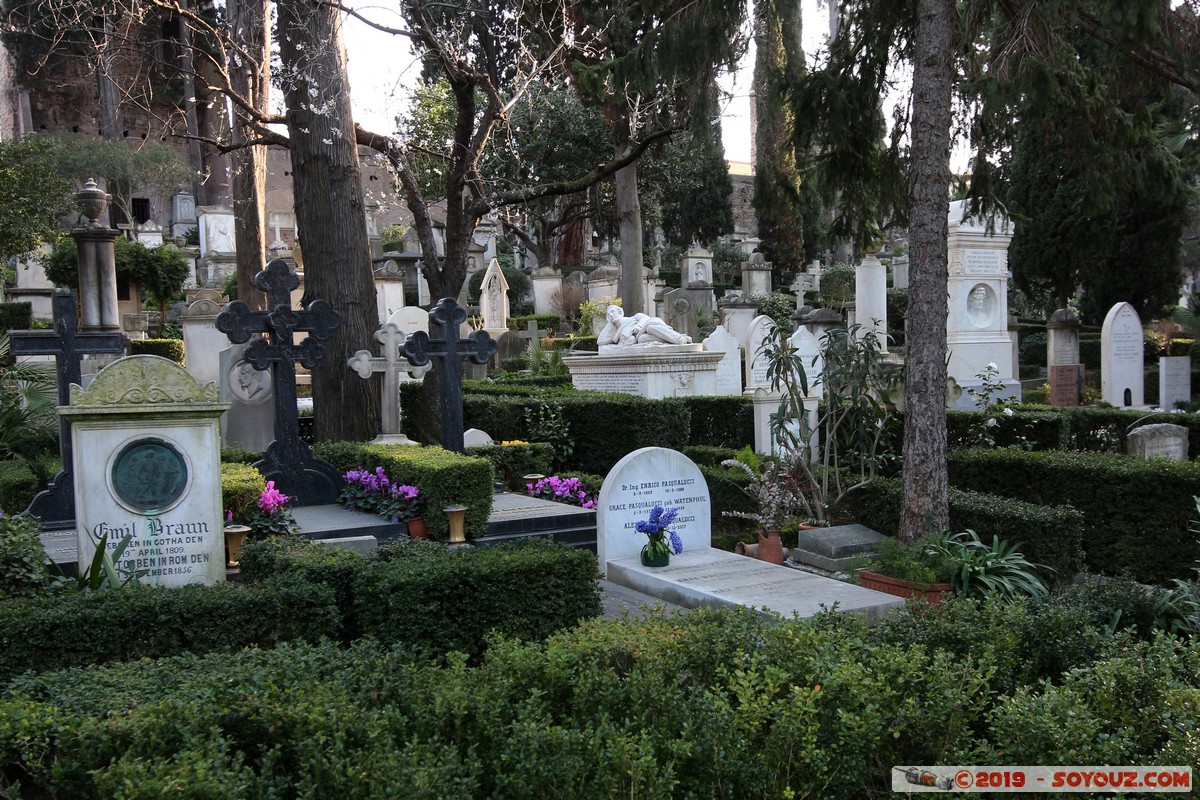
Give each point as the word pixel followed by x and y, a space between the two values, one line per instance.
pixel 391 364
pixel 56 505
pixel 445 318
pixel 288 460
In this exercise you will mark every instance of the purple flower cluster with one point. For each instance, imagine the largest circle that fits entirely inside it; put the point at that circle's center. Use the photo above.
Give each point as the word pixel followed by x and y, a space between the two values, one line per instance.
pixel 272 500
pixel 657 530
pixel 562 490
pixel 376 493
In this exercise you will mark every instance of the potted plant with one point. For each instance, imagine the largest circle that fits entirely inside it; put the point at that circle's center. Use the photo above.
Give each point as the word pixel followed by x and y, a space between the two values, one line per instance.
pixel 778 493
pixel 958 563
pixel 375 493
pixel 270 517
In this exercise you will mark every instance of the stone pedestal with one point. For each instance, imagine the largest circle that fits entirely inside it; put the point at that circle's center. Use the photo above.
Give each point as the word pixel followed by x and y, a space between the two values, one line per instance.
pixel 547 290
pixel 1062 338
pixel 202 342
pixel 652 371
pixel 756 275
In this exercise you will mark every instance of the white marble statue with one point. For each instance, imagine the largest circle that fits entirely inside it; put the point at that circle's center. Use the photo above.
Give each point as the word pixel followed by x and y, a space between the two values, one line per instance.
pixel 638 329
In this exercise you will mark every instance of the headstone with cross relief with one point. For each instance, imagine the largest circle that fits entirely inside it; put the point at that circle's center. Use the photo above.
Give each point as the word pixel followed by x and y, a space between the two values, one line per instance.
pixel 288 461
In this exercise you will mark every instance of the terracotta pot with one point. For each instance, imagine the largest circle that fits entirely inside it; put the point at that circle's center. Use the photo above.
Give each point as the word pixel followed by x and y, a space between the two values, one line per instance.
pixel 417 529
pixel 770 549
pixel 743 549
pixel 930 592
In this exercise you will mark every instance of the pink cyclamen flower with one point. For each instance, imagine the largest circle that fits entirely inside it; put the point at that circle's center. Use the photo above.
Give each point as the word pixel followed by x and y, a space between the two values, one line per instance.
pixel 272 499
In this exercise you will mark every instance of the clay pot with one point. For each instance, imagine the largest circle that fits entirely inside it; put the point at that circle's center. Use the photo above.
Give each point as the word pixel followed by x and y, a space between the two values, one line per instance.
pixel 417 529
pixel 743 549
pixel 770 548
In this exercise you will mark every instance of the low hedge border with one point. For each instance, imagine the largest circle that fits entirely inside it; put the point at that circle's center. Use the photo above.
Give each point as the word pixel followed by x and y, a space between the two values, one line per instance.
pixel 241 486
pixel 18 486
pixel 434 601
pixel 1102 430
pixel 165 348
pixel 1052 535
pixel 444 478
pixel 1136 512
pixel 56 631
pixel 513 461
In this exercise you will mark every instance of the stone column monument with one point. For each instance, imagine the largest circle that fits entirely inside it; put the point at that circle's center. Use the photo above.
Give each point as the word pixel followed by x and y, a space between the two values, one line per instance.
pixel 97 263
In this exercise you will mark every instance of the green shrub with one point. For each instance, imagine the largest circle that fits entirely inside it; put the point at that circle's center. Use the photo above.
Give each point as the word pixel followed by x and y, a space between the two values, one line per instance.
pixel 720 421
pixel 241 486
pixel 1135 512
pixel 16 316
pixel 23 570
pixel 1048 534
pixel 77 629
pixel 1032 349
pixel 165 348
pixel 707 455
pixel 433 600
pixel 18 486
pixel 545 322
pixel 445 478
pixel 238 455
pixel 513 461
pixel 708 704
pixel 584 344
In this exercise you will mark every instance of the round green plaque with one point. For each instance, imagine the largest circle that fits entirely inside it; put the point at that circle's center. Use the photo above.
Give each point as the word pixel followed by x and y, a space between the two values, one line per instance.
pixel 149 475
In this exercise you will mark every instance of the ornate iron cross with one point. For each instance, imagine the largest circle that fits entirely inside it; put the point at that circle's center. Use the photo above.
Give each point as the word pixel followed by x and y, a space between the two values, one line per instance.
pixel 56 505
pixel 288 460
pixel 444 344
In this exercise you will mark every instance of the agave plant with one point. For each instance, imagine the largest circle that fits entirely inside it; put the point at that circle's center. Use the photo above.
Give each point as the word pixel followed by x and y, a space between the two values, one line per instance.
pixel 981 569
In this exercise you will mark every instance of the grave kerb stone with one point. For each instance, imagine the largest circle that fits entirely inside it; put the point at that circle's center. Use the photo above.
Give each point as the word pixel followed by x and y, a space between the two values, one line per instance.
pixel 1159 440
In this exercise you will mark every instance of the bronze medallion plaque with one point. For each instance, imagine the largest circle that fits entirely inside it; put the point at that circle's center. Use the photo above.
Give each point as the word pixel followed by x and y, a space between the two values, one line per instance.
pixel 149 475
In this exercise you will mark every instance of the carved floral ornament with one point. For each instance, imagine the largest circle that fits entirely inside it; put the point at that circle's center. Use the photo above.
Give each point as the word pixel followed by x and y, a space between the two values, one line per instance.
pixel 144 380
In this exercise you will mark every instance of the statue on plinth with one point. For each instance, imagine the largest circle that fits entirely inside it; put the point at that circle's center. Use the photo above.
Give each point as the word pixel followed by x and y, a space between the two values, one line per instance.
pixel 639 329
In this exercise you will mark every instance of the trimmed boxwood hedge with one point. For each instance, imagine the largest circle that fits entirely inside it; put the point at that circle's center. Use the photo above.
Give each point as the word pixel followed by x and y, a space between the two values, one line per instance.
pixel 435 600
pixel 1135 511
pixel 704 705
pixel 166 348
pixel 444 478
pixel 77 629
pixel 241 486
pixel 1049 534
pixel 512 461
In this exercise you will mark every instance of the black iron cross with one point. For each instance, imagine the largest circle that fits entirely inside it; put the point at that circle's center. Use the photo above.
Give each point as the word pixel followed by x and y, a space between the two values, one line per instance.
pixel 444 321
pixel 56 505
pixel 288 461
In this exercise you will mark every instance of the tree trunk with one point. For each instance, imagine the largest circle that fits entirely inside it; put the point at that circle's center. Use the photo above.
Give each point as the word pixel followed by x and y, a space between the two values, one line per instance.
pixel 106 85
pixel 251 79
pixel 330 211
pixel 629 215
pixel 925 480
pixel 195 159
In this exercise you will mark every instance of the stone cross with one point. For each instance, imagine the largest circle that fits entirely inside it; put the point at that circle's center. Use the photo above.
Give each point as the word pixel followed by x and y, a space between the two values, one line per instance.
pixel 445 318
pixel 56 505
pixel 288 460
pixel 391 365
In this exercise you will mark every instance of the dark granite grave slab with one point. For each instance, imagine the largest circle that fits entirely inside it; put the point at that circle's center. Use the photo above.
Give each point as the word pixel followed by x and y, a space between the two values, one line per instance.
pixel 836 549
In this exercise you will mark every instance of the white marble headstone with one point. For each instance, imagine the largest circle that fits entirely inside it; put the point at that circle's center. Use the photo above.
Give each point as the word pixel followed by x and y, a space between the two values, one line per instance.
pixel 1122 370
pixel 641 480
pixel 493 300
pixel 1174 381
pixel 756 363
pixel 729 368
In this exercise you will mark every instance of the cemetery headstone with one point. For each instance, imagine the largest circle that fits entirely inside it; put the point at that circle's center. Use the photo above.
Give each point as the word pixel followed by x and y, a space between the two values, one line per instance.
pixel 155 474
pixel 512 344
pixel 202 342
pixel 1174 381
pixel 250 421
pixel 1062 338
pixel 756 363
pixel 56 504
pixel 641 480
pixel 756 275
pixel 729 368
pixel 1066 384
pixel 1160 440
pixel 697 268
pixel 493 300
pixel 392 365
pixel 547 290
pixel 1122 370
pixel 473 437
pixel 977 324
pixel 288 461
pixel 445 319
pixel 183 214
